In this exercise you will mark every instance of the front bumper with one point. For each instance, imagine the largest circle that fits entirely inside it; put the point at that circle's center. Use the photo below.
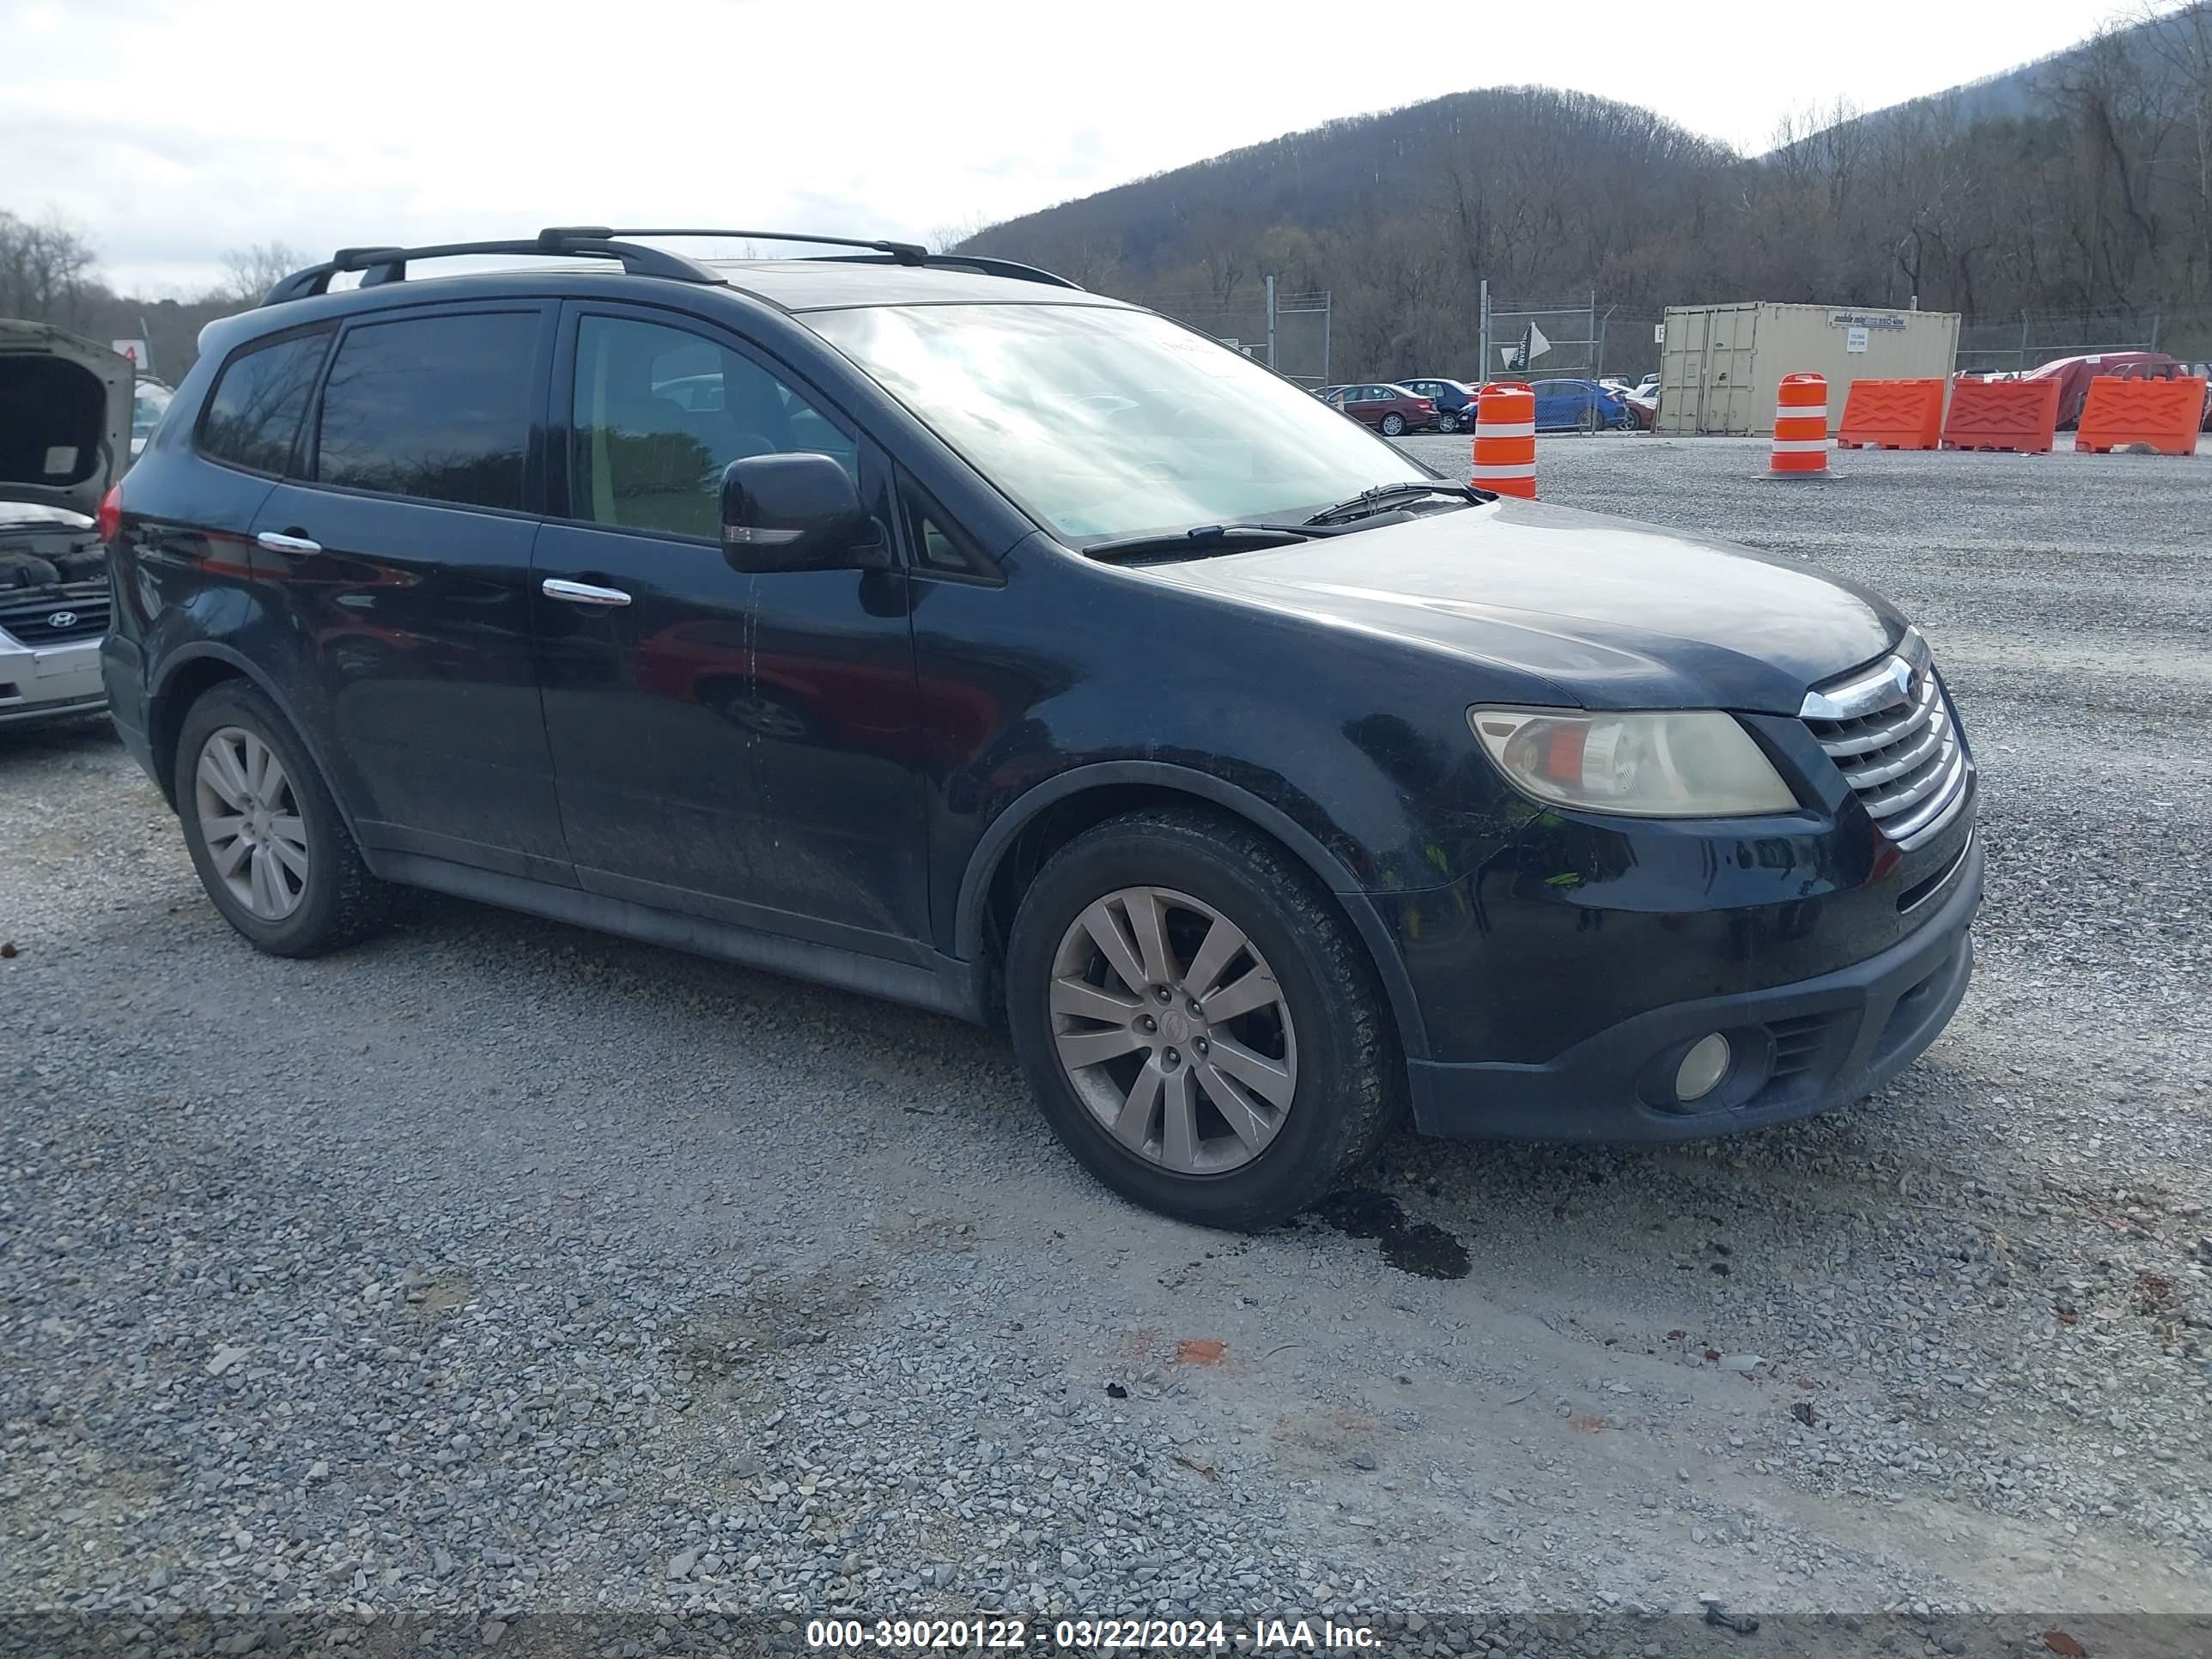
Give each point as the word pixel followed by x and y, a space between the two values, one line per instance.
pixel 1800 1048
pixel 50 682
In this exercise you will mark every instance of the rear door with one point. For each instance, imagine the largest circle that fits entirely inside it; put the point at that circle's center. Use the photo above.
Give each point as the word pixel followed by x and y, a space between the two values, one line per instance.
pixel 743 747
pixel 1730 343
pixel 404 549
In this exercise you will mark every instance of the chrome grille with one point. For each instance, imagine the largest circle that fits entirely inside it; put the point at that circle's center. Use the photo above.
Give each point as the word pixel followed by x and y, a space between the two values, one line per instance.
pixel 1890 731
pixel 78 611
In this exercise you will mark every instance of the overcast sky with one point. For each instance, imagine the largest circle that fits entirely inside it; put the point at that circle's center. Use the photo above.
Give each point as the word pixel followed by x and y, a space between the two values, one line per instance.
pixel 167 132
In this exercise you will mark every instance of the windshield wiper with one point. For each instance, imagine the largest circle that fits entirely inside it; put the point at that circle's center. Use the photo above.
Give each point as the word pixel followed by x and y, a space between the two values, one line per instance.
pixel 1378 500
pixel 1202 538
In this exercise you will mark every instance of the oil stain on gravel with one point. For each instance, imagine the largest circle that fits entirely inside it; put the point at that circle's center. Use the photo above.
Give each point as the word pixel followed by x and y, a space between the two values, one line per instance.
pixel 1414 1246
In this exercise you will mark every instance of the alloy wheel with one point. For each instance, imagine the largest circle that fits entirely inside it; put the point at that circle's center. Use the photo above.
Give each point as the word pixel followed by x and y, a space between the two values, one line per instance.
pixel 249 818
pixel 1173 1031
pixel 1393 424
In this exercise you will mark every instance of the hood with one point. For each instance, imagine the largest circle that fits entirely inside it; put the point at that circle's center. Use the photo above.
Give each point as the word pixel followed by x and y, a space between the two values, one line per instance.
pixel 65 418
pixel 1606 612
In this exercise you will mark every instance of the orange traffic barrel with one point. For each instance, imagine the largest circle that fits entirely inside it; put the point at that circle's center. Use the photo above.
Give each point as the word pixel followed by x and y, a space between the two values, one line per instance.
pixel 1801 429
pixel 1505 438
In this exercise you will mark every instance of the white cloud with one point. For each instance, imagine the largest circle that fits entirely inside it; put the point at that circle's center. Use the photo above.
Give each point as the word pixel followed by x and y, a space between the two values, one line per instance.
pixel 171 131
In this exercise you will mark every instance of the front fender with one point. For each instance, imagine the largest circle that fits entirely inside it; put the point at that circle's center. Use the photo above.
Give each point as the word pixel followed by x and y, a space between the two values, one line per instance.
pixel 1330 869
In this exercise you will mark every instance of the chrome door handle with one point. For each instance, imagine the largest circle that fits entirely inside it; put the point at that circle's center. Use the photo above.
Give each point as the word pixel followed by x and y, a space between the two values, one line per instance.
pixel 581 592
pixel 292 544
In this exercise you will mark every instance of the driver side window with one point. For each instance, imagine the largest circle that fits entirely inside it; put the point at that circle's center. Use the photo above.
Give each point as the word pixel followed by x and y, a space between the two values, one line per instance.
pixel 659 411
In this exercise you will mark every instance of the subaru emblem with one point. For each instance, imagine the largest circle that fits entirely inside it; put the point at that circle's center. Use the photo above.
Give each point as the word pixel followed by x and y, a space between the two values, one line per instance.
pixel 62 619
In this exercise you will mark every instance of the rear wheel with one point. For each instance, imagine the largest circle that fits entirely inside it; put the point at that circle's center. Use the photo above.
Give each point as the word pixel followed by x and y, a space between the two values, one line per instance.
pixel 264 834
pixel 1591 419
pixel 1196 1022
pixel 1447 419
pixel 1393 424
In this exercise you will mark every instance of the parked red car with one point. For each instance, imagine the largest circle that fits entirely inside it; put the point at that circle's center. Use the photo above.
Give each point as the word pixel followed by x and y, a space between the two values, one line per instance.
pixel 1391 410
pixel 2075 374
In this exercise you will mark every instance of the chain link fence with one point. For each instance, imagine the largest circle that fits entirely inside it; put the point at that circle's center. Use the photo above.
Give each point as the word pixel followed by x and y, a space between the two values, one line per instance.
pixel 2013 344
pixel 1582 338
pixel 1287 329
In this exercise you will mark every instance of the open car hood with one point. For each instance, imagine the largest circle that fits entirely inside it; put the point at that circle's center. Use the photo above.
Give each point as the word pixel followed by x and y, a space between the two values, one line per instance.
pixel 64 417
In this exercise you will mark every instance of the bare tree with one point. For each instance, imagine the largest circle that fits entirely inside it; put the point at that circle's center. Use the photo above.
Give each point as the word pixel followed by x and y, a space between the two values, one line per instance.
pixel 46 269
pixel 250 272
pixel 945 239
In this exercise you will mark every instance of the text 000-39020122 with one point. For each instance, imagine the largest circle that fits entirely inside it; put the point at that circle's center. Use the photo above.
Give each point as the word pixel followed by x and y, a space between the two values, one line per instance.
pixel 1085 1635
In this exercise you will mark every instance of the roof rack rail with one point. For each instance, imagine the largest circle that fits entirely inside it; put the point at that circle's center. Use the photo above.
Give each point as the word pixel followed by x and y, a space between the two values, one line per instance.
pixel 389 264
pixel 905 254
pixel 902 253
pixel 381 264
pixel 976 262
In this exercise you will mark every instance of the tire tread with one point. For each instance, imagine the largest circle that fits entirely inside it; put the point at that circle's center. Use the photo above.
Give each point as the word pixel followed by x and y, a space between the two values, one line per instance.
pixel 1372 1100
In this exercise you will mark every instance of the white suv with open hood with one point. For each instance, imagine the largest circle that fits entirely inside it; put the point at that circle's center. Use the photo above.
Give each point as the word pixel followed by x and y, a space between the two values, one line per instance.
pixel 64 436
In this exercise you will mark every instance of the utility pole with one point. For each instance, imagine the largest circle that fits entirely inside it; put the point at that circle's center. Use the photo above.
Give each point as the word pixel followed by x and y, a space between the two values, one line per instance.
pixel 1482 335
pixel 1271 319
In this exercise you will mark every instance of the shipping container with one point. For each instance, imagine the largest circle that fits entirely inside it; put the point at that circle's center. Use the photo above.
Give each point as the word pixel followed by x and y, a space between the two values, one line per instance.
pixel 1721 367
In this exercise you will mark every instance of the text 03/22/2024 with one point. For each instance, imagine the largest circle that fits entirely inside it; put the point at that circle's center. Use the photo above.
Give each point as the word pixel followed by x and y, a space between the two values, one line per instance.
pixel 1087 1635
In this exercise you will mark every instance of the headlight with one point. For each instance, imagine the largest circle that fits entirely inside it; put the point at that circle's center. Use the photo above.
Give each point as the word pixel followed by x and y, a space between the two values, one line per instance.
pixel 1694 763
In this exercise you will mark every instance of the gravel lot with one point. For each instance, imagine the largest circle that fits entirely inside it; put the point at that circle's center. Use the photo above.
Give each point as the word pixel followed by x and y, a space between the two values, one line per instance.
pixel 499 1266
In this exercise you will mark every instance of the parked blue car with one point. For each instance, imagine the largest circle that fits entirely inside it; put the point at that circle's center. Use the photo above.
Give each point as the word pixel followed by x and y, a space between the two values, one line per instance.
pixel 1582 406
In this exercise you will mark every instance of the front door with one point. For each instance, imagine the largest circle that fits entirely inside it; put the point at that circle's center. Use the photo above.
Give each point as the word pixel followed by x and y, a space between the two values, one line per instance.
pixel 1367 403
pixel 743 747
pixel 403 553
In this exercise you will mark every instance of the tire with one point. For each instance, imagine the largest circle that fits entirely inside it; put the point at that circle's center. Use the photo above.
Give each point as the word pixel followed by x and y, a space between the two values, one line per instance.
pixel 1394 424
pixel 334 901
pixel 1325 1046
pixel 1447 421
pixel 1589 420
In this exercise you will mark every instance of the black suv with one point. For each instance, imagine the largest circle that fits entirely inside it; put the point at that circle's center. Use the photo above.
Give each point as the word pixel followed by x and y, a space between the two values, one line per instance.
pixel 929 627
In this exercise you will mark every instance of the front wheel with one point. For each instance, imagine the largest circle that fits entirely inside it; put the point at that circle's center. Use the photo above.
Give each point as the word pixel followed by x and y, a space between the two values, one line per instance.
pixel 1393 424
pixel 1197 1024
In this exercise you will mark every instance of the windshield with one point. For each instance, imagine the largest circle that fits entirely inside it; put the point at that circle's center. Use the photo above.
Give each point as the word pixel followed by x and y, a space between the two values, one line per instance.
pixel 1109 423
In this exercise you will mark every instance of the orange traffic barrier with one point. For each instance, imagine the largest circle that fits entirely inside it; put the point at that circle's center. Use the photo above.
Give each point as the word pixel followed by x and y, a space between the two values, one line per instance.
pixel 1892 414
pixel 1505 438
pixel 1801 429
pixel 2121 410
pixel 2021 416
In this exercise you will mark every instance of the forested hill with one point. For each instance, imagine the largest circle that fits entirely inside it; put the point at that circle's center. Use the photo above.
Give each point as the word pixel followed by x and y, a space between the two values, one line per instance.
pixel 2082 182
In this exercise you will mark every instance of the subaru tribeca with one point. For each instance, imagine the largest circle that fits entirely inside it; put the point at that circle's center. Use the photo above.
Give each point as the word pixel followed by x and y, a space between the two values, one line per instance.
pixel 1263 781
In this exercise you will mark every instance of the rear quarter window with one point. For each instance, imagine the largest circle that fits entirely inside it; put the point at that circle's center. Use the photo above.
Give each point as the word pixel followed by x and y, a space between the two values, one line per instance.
pixel 260 401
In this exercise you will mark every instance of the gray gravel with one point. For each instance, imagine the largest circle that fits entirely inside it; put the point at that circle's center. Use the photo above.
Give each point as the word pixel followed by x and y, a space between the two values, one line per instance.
pixel 498 1266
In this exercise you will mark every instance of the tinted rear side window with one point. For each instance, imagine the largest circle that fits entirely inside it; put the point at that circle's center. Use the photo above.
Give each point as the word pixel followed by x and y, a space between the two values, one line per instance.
pixel 253 419
pixel 433 407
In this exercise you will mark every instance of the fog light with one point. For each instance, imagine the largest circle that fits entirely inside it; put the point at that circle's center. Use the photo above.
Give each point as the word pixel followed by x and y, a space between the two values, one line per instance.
pixel 1702 1068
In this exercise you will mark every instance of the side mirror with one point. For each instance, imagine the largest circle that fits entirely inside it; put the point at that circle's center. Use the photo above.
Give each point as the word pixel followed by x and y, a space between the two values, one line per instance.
pixel 796 512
